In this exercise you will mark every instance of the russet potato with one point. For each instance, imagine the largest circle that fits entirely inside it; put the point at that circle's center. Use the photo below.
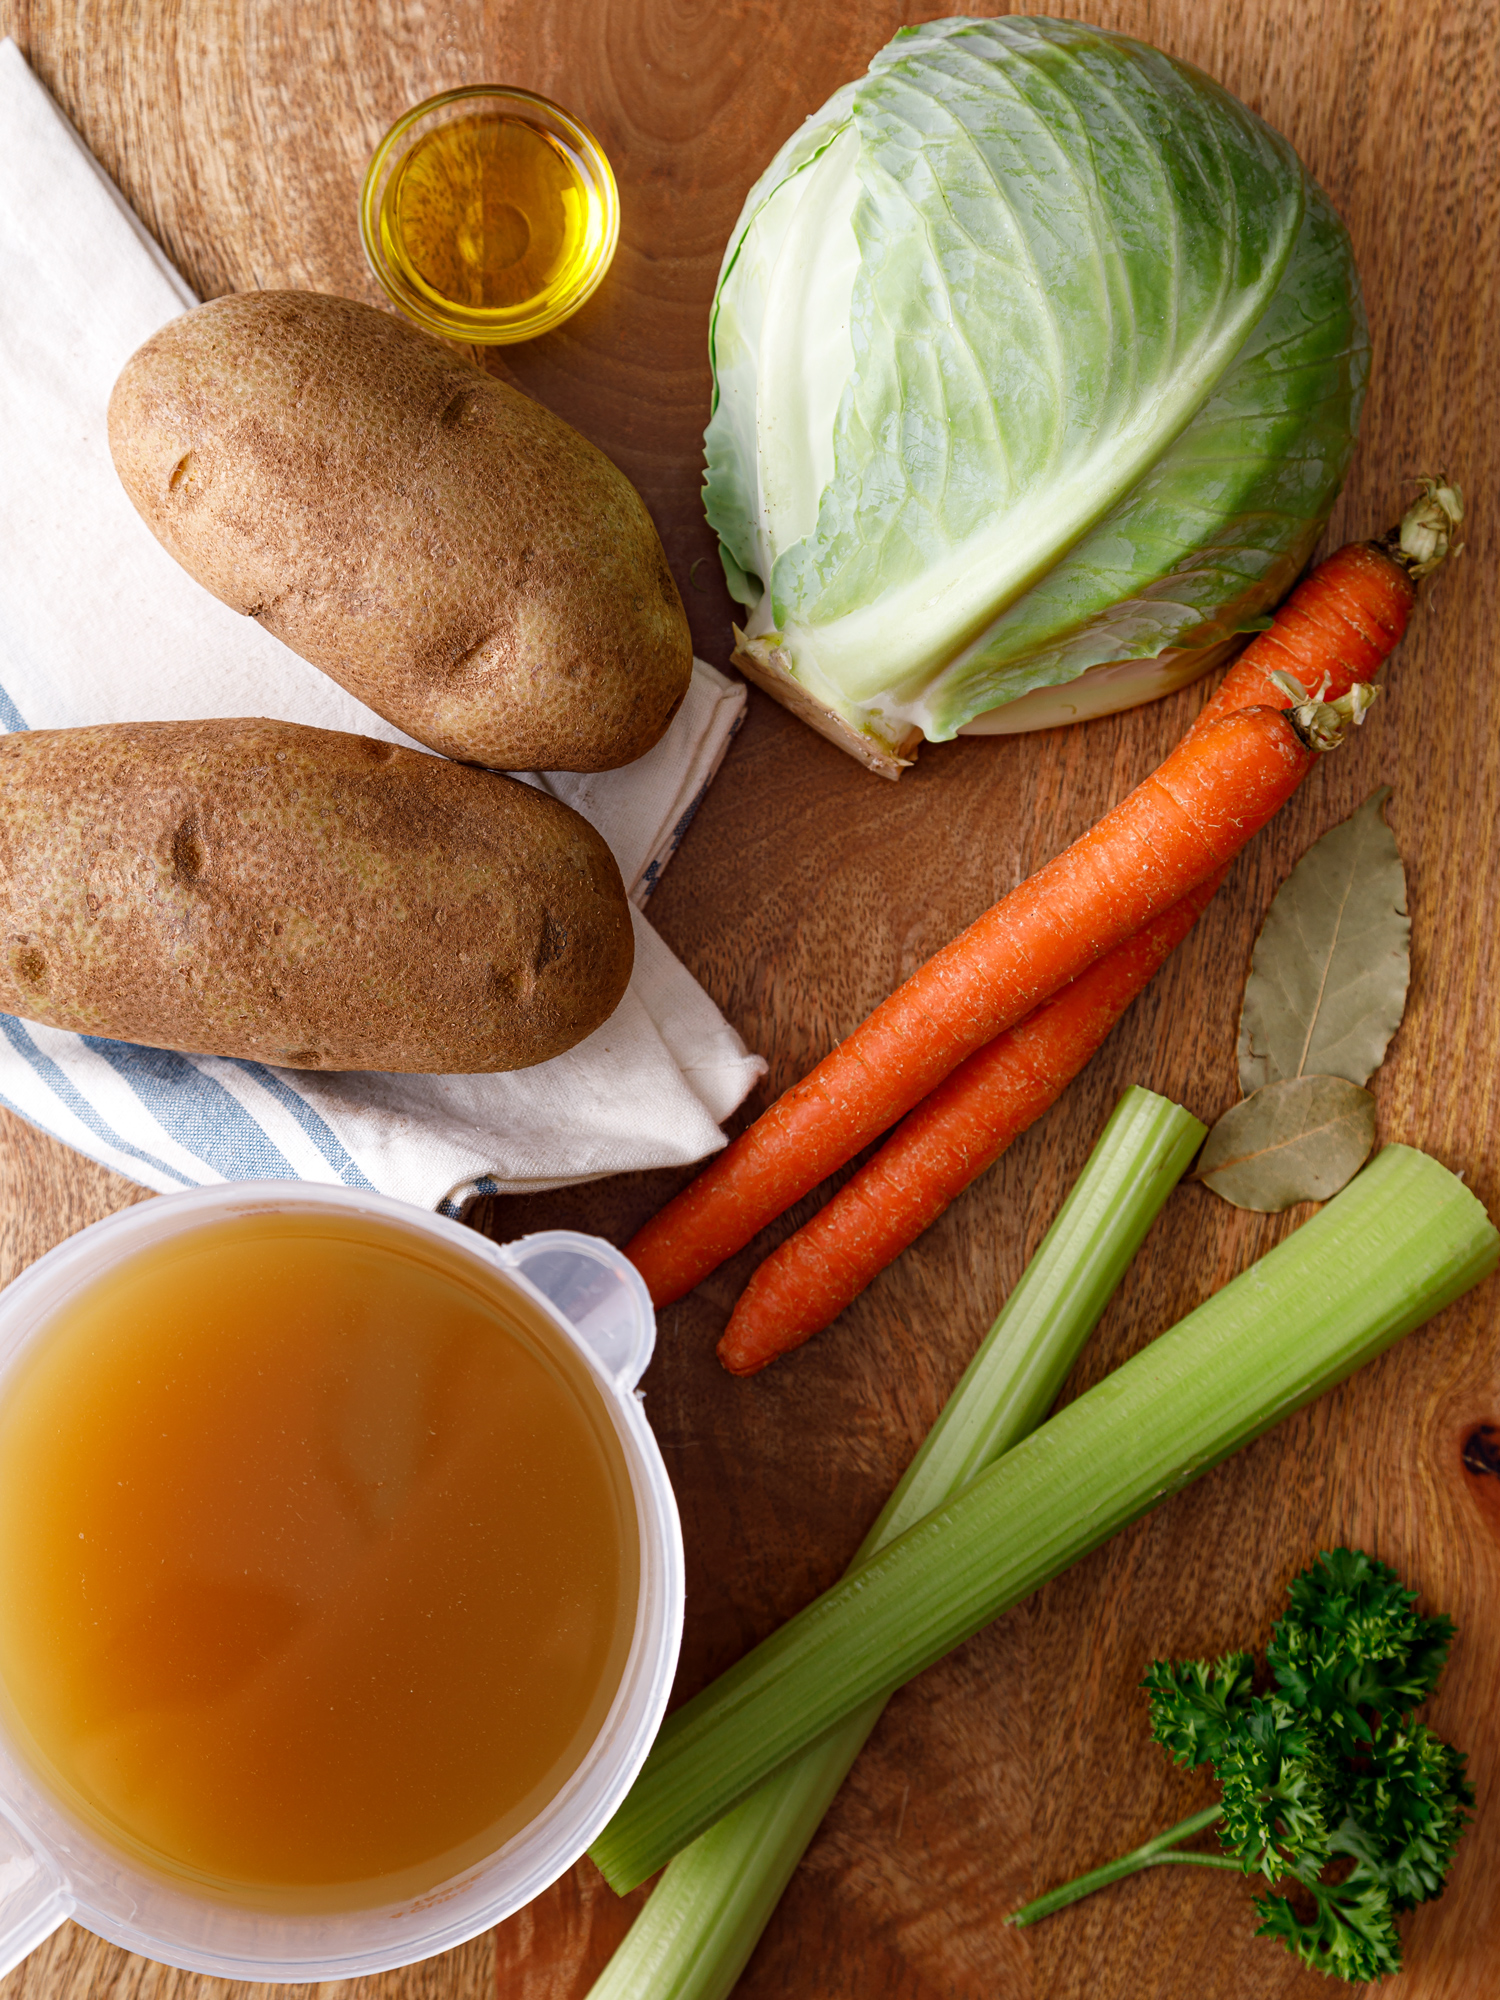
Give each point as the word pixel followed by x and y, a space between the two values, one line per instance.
pixel 441 545
pixel 251 888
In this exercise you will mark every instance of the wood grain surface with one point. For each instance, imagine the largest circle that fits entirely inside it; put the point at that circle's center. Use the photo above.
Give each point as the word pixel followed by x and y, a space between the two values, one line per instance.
pixel 806 888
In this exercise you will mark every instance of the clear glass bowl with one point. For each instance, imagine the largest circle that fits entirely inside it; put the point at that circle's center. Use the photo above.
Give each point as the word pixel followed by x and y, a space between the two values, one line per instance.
pixel 489 214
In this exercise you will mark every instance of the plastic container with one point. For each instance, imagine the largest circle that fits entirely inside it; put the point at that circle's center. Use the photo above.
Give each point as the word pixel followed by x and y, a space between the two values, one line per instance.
pixel 489 214
pixel 51 1868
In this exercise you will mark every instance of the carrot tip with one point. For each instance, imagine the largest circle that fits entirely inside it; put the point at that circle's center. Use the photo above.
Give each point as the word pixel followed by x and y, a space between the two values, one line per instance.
pixel 741 1365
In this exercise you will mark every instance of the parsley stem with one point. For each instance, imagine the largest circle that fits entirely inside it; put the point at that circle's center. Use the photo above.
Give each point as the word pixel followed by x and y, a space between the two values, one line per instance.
pixel 708 1910
pixel 1150 1855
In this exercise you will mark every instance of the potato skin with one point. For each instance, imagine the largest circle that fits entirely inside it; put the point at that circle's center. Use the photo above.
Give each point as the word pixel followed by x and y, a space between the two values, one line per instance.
pixel 299 896
pixel 445 548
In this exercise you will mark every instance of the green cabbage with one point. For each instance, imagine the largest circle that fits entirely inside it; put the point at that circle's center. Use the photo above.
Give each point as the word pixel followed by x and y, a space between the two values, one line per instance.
pixel 1033 350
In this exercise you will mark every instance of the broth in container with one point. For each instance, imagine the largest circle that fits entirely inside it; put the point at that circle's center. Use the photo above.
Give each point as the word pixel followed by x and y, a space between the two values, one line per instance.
pixel 319 1560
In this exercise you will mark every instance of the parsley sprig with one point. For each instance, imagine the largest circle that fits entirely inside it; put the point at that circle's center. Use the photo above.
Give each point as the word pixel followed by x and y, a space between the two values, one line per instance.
pixel 1329 1787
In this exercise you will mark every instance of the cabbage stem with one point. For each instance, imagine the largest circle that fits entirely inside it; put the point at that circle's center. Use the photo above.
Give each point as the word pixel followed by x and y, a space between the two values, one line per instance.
pixel 1401 1241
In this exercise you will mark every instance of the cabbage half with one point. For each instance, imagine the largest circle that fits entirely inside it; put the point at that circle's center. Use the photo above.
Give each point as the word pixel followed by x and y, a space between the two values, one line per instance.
pixel 1033 350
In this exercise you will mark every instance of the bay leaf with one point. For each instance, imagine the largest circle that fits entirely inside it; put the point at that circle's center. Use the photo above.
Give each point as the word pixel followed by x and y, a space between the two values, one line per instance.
pixel 1299 1139
pixel 1329 974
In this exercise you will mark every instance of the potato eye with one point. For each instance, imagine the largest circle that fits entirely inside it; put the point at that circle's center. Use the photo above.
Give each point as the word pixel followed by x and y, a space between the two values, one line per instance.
pixel 189 858
pixel 458 409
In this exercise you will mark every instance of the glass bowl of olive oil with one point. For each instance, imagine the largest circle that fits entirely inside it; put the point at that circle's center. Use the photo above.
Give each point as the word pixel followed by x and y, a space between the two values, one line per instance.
pixel 489 214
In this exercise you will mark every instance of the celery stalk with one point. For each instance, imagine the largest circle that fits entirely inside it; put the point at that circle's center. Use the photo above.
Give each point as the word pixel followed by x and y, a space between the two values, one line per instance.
pixel 1401 1241
pixel 705 1915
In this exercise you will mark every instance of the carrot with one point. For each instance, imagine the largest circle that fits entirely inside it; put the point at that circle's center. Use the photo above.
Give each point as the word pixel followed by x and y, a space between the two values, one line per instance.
pixel 1344 621
pixel 949 1140
pixel 1341 622
pixel 1178 827
pixel 1335 630
pixel 1336 627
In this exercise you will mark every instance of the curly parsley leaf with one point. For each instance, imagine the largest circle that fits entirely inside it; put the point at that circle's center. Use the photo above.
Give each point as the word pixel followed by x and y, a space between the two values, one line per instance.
pixel 1195 1704
pixel 1352 1648
pixel 1407 1812
pixel 1328 1766
pixel 1278 1790
pixel 1350 1935
pixel 1322 1769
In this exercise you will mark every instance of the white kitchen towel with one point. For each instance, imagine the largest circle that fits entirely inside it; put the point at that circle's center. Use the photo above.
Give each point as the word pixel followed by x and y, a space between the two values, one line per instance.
pixel 98 624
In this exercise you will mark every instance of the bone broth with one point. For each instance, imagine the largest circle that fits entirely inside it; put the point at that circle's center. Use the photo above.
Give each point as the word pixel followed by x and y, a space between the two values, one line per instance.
pixel 318 1559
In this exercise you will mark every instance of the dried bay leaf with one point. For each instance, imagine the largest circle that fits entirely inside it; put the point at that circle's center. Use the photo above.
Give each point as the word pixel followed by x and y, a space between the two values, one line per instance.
pixel 1328 977
pixel 1299 1139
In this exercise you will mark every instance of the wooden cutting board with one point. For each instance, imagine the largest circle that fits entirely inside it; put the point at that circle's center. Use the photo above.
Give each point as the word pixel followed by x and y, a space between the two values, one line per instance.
pixel 807 888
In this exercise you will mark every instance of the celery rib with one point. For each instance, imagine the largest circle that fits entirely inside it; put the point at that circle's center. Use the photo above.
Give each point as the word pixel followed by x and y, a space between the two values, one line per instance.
pixel 706 1914
pixel 1400 1242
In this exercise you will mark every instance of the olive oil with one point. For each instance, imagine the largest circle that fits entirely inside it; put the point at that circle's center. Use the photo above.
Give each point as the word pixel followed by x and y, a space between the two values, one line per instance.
pixel 318 1560
pixel 492 215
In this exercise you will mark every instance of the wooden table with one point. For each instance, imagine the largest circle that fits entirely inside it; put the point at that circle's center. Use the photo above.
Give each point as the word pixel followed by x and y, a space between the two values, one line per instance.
pixel 807 888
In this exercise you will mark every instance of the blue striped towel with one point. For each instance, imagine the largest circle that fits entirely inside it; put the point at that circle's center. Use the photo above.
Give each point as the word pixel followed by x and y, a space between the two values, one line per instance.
pixel 98 624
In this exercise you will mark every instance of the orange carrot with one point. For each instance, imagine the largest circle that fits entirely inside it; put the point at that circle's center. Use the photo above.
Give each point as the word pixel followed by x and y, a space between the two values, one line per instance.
pixel 1331 635
pixel 949 1140
pixel 1343 621
pixel 1177 828
pixel 1335 630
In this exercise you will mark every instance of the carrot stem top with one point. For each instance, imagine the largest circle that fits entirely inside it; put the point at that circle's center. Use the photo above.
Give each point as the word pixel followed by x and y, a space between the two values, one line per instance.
pixel 1323 725
pixel 1424 536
